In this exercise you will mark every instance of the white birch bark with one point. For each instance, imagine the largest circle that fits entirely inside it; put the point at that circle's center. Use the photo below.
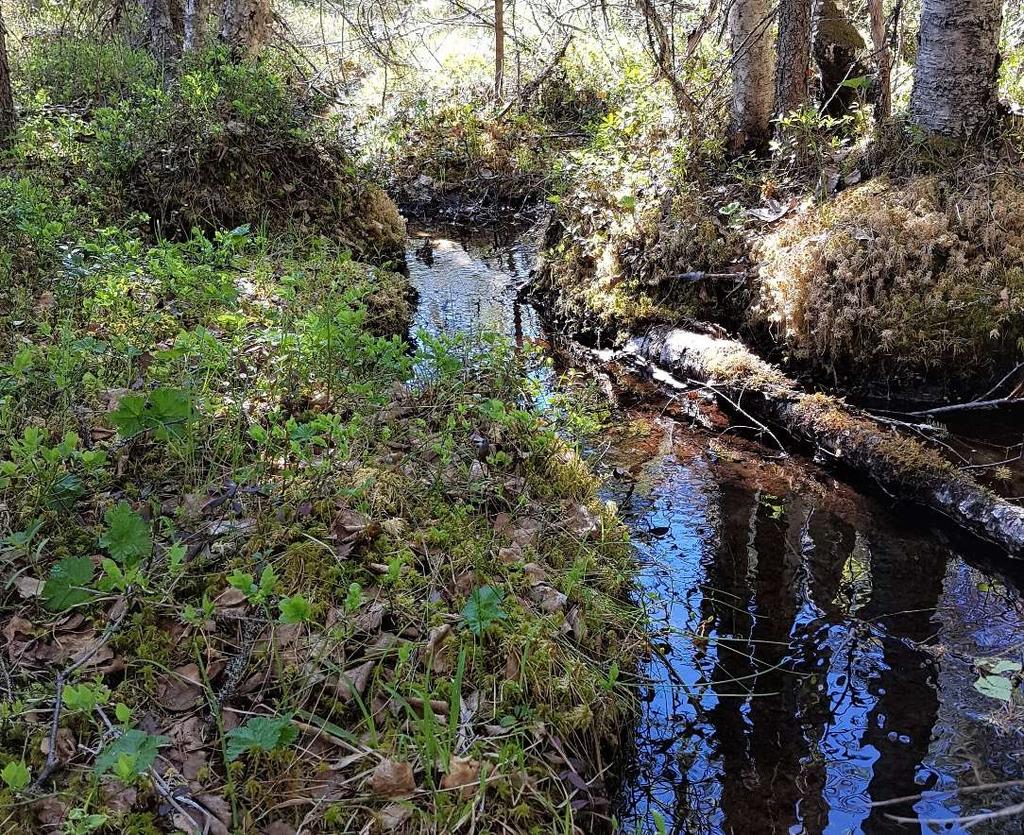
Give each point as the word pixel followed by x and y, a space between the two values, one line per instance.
pixel 752 77
pixel 955 90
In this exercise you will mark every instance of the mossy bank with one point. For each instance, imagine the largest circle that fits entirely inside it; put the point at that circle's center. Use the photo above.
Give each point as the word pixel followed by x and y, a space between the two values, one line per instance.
pixel 270 569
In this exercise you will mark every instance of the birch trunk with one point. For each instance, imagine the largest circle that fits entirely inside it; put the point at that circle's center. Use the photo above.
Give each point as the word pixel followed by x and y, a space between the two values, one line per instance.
pixel 793 67
pixel 955 90
pixel 900 465
pixel 163 45
pixel 197 16
pixel 6 94
pixel 752 78
pixel 245 25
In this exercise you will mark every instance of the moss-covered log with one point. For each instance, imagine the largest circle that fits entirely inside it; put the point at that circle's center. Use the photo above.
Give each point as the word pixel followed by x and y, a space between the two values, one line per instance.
pixel 900 465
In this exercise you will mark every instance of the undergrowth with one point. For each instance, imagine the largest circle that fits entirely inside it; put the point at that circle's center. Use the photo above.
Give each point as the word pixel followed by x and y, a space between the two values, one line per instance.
pixel 266 566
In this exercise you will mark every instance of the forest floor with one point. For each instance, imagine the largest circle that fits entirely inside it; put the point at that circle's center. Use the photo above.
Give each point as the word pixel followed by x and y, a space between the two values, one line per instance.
pixel 267 562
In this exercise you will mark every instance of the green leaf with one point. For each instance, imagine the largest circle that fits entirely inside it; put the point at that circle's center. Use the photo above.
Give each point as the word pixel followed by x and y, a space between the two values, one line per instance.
pixel 123 713
pixel 84 697
pixel 483 609
pixel 176 559
pixel 242 581
pixel 261 733
pixel 995 687
pixel 131 754
pixel 128 538
pixel 16 775
pixel 167 412
pixel 268 581
pixel 997 666
pixel 295 609
pixel 68 584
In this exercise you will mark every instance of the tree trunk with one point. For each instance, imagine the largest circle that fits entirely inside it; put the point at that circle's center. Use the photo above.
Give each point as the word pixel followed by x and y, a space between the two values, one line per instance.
pixel 750 118
pixel 793 66
pixel 955 90
pixel 837 43
pixel 900 465
pixel 197 17
pixel 163 44
pixel 245 25
pixel 883 61
pixel 6 94
pixel 499 48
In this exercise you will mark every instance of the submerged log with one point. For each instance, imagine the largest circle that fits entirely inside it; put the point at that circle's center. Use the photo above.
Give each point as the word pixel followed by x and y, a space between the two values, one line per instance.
pixel 901 466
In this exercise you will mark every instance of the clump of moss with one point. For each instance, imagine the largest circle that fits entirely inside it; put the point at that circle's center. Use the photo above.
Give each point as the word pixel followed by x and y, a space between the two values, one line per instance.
pixel 917 283
pixel 617 263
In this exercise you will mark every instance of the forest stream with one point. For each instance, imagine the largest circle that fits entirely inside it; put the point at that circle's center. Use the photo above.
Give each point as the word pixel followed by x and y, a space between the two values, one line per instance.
pixel 815 650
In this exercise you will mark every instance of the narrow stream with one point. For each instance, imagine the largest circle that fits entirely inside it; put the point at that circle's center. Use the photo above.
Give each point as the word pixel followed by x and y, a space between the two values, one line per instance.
pixel 816 651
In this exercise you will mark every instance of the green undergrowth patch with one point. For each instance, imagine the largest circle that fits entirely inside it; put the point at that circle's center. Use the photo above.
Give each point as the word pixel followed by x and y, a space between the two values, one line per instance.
pixel 294 573
pixel 216 145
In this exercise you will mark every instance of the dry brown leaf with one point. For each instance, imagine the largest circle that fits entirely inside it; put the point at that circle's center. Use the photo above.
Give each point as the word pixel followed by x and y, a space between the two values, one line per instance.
pixel 117 797
pixel 583 522
pixel 393 778
pixel 549 599
pixel 393 816
pixel 49 811
pixel 220 813
pixel 463 773
pixel 28 587
pixel 354 681
pixel 180 689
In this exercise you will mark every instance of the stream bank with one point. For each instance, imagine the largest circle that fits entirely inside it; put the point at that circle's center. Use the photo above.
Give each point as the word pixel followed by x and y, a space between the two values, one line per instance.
pixel 813 652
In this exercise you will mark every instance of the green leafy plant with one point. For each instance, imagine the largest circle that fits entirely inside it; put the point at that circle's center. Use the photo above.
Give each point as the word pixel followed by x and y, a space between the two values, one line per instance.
pixel 130 755
pixel 261 733
pixel 257 593
pixel 16 775
pixel 127 538
pixel 483 609
pixel 85 697
pixel 167 413
pixel 68 584
pixel 295 609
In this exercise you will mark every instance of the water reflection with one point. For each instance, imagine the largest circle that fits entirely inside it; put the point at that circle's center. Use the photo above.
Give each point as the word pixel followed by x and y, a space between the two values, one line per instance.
pixel 812 652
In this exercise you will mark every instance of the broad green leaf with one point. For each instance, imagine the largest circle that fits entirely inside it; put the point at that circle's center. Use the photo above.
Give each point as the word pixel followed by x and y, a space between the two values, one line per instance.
pixel 128 538
pixel 68 584
pixel 167 412
pixel 133 748
pixel 84 697
pixel 16 775
pixel 261 733
pixel 997 666
pixel 996 687
pixel 483 609
pixel 295 609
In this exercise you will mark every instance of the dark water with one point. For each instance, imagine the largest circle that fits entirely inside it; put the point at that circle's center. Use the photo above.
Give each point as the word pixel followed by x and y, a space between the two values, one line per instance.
pixel 815 650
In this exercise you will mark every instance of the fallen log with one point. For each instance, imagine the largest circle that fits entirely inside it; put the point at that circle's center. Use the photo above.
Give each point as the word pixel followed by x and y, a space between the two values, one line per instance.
pixel 900 465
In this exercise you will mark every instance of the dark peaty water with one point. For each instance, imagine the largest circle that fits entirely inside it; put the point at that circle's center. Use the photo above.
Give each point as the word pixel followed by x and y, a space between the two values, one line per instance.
pixel 816 651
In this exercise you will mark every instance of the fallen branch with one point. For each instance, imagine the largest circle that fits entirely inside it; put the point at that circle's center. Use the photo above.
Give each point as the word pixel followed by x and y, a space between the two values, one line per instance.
pixel 901 466
pixel 62 679
pixel 985 401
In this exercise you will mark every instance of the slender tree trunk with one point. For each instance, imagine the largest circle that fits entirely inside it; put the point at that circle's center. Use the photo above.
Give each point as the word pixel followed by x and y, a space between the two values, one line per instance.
pixel 163 44
pixel 499 48
pixel 6 95
pixel 750 119
pixel 837 43
pixel 245 25
pixel 197 15
pixel 955 90
pixel 883 61
pixel 793 67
